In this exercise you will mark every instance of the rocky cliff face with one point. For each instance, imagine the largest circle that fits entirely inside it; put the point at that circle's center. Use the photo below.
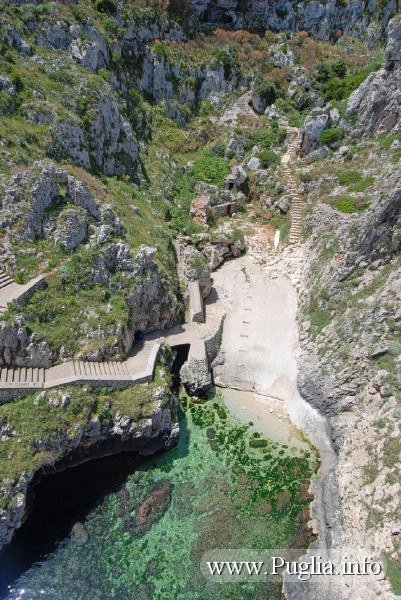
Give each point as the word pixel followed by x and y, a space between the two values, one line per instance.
pixel 376 104
pixel 48 206
pixel 349 365
pixel 92 436
pixel 321 20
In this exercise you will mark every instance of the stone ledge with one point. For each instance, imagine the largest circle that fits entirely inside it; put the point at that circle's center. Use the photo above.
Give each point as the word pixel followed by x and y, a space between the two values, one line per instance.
pixel 196 309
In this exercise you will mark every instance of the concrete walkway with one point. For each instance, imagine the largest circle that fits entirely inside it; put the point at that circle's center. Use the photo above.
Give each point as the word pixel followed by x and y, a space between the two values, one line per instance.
pixel 138 368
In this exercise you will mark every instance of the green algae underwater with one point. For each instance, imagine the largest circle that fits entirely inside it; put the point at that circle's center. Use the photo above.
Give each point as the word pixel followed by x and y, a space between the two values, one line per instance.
pixel 222 486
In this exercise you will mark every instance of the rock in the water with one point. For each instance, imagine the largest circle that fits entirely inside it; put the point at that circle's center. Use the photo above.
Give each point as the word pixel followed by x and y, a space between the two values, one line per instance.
pixel 79 534
pixel 153 507
pixel 195 375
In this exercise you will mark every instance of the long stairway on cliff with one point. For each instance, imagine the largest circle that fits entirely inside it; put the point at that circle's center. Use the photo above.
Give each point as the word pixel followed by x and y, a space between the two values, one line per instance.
pixel 291 181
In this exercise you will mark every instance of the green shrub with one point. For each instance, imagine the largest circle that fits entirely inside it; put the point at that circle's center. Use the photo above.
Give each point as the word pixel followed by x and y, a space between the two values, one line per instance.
pixel 340 89
pixel 268 158
pixel 345 205
pixel 267 90
pixel 229 59
pixel 266 137
pixel 198 262
pixel 159 49
pixel 362 185
pixel 349 177
pixel 339 68
pixel 104 74
pixel 237 235
pixel 183 194
pixel 323 72
pixel 218 150
pixel 306 177
pixel 329 136
pixel 62 76
pixel 212 169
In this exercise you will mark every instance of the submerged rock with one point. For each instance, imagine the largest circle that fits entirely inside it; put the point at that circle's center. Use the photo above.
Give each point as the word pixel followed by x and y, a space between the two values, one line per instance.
pixel 152 508
pixel 79 534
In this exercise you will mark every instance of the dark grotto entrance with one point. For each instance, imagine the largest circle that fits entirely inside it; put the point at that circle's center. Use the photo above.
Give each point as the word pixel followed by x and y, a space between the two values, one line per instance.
pixel 181 356
pixel 60 501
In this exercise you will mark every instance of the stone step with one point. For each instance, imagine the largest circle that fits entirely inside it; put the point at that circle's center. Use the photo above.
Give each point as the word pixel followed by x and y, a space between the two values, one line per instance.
pixel 6 283
pixel 22 375
pixel 93 370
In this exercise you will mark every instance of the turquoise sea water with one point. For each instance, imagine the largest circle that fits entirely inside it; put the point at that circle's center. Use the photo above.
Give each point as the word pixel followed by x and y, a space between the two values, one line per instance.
pixel 224 487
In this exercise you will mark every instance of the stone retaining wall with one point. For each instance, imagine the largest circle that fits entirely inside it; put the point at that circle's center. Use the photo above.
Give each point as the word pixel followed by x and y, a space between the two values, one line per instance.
pixel 196 309
pixel 213 343
pixel 30 288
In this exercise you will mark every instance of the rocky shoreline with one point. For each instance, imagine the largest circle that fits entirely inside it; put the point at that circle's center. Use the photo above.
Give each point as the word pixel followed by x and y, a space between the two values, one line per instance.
pixel 156 430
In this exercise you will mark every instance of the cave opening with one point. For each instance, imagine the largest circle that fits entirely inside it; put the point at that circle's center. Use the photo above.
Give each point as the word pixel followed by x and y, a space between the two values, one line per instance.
pixel 60 501
pixel 181 356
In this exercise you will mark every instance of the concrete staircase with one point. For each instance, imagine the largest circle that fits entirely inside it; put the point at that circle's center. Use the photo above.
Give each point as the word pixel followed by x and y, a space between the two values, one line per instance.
pixel 5 282
pixel 244 106
pixel 240 109
pixel 291 181
pixel 21 377
pixel 109 369
pixel 138 368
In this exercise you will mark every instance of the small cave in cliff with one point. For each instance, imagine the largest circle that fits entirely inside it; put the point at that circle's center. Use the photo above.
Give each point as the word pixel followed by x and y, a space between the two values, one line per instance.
pixel 216 14
pixel 181 356
pixel 59 502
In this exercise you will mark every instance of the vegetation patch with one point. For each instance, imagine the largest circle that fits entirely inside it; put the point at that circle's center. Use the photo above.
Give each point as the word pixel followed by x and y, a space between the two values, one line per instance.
pixel 212 169
pixel 330 136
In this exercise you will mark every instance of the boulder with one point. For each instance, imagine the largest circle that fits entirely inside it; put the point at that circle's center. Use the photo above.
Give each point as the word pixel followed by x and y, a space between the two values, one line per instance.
pixel 321 152
pixel 196 268
pixel 315 124
pixel 253 163
pixel 195 376
pixel 236 147
pixel 237 247
pixel 259 104
pixel 71 228
pixel 215 255
pixel 284 204
pixel 283 58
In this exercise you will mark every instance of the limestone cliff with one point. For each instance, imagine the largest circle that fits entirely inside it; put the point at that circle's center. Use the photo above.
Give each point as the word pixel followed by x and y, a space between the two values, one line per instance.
pixel 376 104
pixel 90 430
pixel 321 20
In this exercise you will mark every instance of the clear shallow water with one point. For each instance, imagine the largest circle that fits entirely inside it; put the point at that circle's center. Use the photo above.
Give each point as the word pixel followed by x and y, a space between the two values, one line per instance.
pixel 223 486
